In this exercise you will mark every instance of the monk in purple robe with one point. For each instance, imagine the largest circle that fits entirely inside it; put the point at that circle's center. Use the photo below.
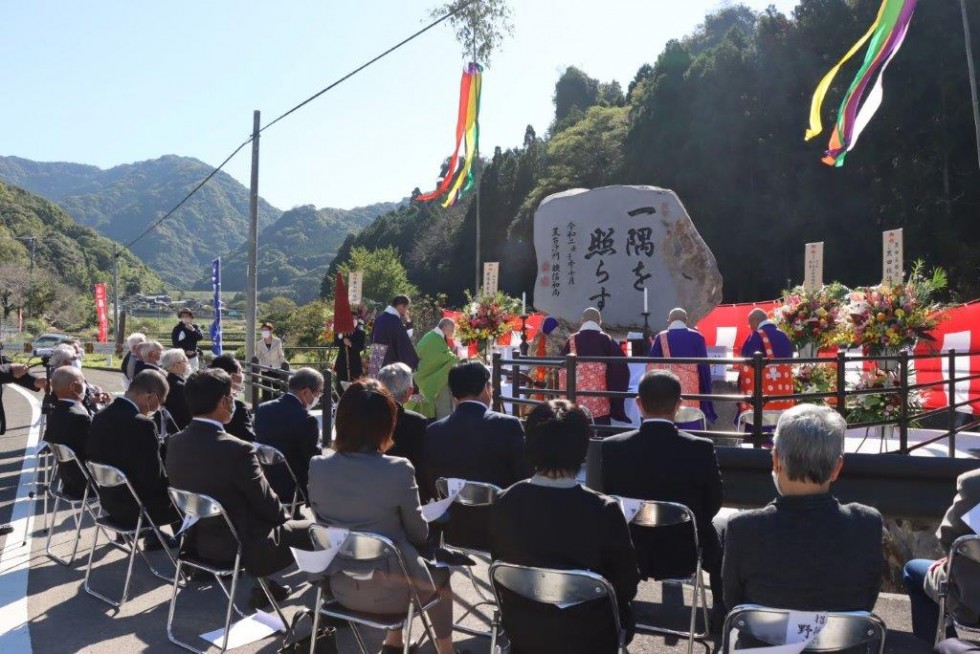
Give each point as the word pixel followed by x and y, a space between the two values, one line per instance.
pixel 591 341
pixel 390 341
pixel 684 342
pixel 782 347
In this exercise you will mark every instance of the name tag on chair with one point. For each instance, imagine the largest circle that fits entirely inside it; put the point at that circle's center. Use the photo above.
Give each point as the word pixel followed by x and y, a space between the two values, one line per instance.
pixel 629 506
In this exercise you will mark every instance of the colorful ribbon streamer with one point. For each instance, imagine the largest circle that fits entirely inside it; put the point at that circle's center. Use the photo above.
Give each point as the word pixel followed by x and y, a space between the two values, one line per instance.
pixel 886 34
pixel 459 182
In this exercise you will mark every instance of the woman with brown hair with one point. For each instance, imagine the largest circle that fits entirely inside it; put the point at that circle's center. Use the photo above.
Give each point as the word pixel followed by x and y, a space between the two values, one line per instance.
pixel 358 487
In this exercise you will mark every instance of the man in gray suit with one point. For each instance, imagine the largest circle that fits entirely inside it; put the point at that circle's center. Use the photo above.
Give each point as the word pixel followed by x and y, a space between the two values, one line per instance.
pixel 923 577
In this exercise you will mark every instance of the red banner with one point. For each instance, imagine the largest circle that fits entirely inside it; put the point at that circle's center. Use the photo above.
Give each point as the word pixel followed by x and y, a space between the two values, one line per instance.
pixel 958 330
pixel 102 312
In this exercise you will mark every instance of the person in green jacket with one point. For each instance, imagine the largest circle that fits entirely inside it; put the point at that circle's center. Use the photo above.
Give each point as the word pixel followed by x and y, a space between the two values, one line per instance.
pixel 432 377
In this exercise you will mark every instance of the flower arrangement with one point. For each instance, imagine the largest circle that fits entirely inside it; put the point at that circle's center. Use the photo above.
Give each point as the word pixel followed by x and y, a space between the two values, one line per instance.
pixel 815 378
pixel 880 407
pixel 811 318
pixel 486 318
pixel 894 317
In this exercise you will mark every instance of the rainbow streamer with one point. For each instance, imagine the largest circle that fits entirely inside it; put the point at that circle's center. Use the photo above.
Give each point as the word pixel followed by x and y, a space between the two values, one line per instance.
pixel 886 35
pixel 457 183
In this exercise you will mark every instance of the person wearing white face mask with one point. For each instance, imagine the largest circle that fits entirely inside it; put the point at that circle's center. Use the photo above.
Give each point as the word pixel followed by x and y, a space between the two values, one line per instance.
pixel 124 436
pixel 286 424
pixel 68 424
pixel 805 551
pixel 270 354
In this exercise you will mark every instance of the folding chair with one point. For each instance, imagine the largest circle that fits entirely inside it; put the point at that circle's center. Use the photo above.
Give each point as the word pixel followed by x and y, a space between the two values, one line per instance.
pixel 657 515
pixel 269 456
pixel 43 478
pixel 841 631
pixel 560 588
pixel 769 419
pixel 689 417
pixel 106 476
pixel 195 506
pixel 64 456
pixel 364 547
pixel 964 552
pixel 473 494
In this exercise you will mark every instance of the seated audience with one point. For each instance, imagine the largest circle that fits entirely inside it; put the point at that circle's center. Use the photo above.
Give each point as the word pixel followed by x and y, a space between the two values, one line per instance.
pixel 358 487
pixel 132 356
pixel 237 483
pixel 67 355
pixel 410 426
pixel 923 577
pixel 805 551
pixel 150 353
pixel 123 436
pixel 174 362
pixel 551 521
pixel 68 424
pixel 286 424
pixel 241 421
pixel 659 462
pixel 475 444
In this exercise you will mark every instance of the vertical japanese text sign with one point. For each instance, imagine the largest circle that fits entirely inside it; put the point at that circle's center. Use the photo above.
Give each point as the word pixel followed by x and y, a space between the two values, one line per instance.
pixel 355 287
pixel 101 312
pixel 813 267
pixel 491 273
pixel 892 255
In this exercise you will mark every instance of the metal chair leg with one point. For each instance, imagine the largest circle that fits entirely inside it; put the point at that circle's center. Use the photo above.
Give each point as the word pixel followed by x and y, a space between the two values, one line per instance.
pixel 316 617
pixel 231 605
pixel 357 636
pixel 407 629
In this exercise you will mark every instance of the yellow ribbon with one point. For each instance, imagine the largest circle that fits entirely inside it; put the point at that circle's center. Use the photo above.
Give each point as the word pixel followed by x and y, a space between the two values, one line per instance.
pixel 816 126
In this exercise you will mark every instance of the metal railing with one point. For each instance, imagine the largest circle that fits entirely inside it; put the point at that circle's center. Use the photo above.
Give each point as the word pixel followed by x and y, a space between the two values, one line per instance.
pixel 265 383
pixel 523 391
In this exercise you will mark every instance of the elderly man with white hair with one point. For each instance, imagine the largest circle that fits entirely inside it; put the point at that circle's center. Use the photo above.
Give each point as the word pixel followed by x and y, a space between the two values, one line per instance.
pixel 128 366
pixel 177 367
pixel 66 355
pixel 409 436
pixel 805 550
pixel 150 353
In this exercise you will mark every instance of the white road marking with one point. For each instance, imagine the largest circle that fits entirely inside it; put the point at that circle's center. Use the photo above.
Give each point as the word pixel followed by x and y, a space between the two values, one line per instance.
pixel 15 636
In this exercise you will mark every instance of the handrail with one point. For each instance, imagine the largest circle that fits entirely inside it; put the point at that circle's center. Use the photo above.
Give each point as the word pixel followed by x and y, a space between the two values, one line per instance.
pixel 902 364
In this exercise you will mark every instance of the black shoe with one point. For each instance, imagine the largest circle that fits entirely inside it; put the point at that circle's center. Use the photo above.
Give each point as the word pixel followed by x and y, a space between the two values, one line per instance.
pixel 151 543
pixel 259 602
pixel 6 529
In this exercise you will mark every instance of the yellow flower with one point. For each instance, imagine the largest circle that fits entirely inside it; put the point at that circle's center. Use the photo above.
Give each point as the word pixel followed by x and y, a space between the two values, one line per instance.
pixel 900 313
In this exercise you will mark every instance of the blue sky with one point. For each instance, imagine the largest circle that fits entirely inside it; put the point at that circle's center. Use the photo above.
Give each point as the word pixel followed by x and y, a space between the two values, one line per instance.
pixel 111 82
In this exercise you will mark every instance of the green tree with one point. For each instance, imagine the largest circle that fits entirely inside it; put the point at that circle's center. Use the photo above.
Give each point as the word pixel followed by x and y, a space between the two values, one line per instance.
pixel 280 312
pixel 309 323
pixel 479 28
pixel 384 274
pixel 574 90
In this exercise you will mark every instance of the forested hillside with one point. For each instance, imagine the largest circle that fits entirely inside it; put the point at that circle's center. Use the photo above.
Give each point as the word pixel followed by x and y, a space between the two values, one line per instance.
pixel 122 201
pixel 68 259
pixel 718 116
pixel 295 251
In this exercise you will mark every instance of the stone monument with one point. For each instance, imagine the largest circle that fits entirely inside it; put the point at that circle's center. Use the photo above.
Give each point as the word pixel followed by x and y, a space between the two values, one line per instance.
pixel 603 247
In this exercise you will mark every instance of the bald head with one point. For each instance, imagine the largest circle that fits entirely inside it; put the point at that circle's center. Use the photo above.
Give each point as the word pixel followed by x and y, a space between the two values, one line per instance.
pixel 677 313
pixel 756 316
pixel 592 314
pixel 67 383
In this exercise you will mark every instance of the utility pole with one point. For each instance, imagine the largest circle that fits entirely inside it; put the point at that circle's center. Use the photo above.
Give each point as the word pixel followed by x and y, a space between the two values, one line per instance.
pixel 973 76
pixel 251 291
pixel 115 293
pixel 476 174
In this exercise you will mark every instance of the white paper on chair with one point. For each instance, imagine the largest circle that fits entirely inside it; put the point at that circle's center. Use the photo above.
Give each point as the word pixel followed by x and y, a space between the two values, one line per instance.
pixel 317 561
pixel 801 628
pixel 972 519
pixel 247 630
pixel 435 509
pixel 629 506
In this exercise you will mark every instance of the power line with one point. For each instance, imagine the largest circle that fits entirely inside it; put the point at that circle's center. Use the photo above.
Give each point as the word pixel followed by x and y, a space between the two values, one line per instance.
pixel 305 102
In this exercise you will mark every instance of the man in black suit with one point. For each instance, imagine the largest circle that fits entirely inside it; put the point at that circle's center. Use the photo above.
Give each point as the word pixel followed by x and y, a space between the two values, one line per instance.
pixel 238 484
pixel 124 436
pixel 150 353
pixel 286 424
pixel 68 424
pixel 410 427
pixel 658 462
pixel 475 444
pixel 805 550
pixel 241 422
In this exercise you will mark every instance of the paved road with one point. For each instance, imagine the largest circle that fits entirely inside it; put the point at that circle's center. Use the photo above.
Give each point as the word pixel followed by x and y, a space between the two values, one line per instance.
pixel 63 618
